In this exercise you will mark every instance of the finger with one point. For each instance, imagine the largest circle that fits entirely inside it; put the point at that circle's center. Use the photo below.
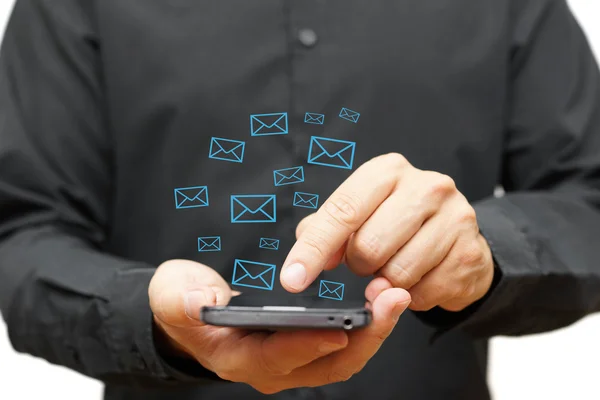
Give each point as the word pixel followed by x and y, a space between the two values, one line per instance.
pixel 423 252
pixel 261 355
pixel 417 197
pixel 304 224
pixel 180 288
pixel 337 258
pixel 376 287
pixel 453 278
pixel 341 215
pixel 362 345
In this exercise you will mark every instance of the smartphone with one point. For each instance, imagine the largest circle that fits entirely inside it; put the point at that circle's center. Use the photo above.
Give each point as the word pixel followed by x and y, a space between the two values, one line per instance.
pixel 284 317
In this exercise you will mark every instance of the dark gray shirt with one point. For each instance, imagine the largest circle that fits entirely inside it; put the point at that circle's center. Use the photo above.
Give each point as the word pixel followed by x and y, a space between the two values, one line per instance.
pixel 107 107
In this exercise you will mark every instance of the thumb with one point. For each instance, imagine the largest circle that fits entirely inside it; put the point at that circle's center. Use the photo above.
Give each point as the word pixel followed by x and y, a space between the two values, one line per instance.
pixel 180 288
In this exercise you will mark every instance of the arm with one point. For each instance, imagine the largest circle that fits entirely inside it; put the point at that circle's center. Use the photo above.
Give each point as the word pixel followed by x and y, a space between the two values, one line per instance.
pixel 63 298
pixel 524 263
pixel 544 232
pixel 66 300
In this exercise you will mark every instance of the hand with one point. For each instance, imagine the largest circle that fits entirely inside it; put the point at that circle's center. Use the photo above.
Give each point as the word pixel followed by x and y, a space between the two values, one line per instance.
pixel 410 226
pixel 269 362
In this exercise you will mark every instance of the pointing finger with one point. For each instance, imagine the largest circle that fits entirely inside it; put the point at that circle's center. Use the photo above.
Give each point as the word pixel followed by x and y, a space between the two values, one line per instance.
pixel 340 216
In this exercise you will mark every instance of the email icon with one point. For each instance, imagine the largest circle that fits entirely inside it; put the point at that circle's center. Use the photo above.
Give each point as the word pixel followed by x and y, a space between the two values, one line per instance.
pixel 269 124
pixel 226 150
pixel 306 200
pixel 269 244
pixel 253 274
pixel 253 208
pixel 191 197
pixel 314 118
pixel 331 152
pixel 349 115
pixel 331 290
pixel 288 176
pixel 209 243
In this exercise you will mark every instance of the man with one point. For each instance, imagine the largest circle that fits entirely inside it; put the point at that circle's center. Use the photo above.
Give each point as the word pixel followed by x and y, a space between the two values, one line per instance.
pixel 111 117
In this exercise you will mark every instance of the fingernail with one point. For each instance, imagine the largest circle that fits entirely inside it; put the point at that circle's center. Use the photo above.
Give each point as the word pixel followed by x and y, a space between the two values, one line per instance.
pixel 327 348
pixel 398 310
pixel 193 302
pixel 294 276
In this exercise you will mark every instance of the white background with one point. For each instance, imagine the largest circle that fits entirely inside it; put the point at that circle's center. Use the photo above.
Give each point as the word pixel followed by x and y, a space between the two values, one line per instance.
pixel 564 364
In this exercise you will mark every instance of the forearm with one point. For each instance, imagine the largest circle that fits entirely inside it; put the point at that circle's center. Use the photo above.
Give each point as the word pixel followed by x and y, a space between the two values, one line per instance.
pixel 82 309
pixel 545 244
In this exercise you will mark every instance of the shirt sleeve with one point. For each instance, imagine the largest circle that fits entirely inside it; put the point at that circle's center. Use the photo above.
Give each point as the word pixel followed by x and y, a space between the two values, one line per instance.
pixel 64 297
pixel 544 231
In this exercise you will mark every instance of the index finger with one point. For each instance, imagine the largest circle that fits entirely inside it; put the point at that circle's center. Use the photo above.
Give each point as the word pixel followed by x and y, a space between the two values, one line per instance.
pixel 341 215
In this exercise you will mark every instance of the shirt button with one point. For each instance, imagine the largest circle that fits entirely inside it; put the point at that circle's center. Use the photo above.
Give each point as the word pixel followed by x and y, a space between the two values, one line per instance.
pixel 307 37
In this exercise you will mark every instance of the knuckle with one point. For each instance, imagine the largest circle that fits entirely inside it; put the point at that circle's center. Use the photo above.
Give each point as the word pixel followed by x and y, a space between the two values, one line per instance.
pixel 317 242
pixel 468 291
pixel 437 289
pixel 368 247
pixel 468 216
pixel 416 301
pixel 344 209
pixel 339 375
pixel 228 375
pixel 457 291
pixel 265 388
pixel 441 185
pixel 399 275
pixel 395 160
pixel 420 303
pixel 471 255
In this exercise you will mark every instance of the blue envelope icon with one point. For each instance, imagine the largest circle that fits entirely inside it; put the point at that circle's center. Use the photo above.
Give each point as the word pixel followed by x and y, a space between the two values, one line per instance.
pixel 288 176
pixel 331 152
pixel 209 243
pixel 253 274
pixel 253 208
pixel 331 290
pixel 191 197
pixel 269 244
pixel 306 200
pixel 226 150
pixel 349 115
pixel 269 124
pixel 314 118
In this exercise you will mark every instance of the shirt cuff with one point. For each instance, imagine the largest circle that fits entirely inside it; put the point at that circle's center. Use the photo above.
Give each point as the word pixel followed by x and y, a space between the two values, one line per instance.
pixel 133 334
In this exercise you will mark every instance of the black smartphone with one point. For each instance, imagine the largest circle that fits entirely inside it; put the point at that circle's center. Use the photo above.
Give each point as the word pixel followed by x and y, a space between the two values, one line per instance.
pixel 283 317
